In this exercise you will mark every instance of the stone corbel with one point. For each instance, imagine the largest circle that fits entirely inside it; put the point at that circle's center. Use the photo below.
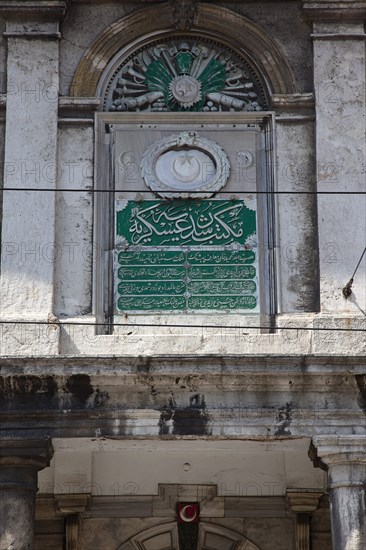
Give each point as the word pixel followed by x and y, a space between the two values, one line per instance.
pixel 303 504
pixel 72 507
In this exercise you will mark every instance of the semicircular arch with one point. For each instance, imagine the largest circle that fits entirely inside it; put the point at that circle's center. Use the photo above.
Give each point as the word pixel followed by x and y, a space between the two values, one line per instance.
pixel 220 23
pixel 211 535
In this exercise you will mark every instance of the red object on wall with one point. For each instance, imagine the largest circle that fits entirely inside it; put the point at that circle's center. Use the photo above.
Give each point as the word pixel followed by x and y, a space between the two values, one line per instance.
pixel 188 512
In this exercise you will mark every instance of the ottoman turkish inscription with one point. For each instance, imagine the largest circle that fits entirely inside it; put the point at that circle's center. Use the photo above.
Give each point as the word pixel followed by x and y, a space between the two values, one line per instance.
pixel 185 255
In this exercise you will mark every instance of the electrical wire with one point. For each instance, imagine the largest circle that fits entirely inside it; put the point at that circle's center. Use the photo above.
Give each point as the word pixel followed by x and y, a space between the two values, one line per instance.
pixel 116 191
pixel 347 290
pixel 359 261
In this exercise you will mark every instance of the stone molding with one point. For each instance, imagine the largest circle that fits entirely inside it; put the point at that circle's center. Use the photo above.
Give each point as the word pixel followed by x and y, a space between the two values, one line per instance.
pixel 211 20
pixel 331 446
pixel 331 10
pixel 33 8
pixel 51 506
pixel 293 102
pixel 120 380
pixel 292 108
pixel 77 110
pixel 33 453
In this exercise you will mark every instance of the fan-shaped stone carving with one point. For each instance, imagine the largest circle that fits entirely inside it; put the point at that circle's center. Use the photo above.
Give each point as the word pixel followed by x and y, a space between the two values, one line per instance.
pixel 185 74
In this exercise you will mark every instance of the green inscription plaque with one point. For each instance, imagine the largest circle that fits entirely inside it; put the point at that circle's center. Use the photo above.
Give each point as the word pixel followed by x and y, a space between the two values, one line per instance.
pixel 185 255
pixel 184 223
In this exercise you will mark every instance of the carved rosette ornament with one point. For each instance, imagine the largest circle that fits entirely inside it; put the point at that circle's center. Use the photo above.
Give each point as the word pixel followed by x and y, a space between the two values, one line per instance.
pixel 185 165
pixel 185 74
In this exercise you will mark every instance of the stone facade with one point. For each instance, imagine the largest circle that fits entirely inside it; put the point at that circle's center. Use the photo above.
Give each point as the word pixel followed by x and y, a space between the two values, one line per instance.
pixel 122 408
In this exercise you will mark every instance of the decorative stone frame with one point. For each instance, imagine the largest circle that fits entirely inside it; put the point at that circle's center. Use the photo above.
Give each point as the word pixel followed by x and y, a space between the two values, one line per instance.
pixel 104 238
pixel 263 51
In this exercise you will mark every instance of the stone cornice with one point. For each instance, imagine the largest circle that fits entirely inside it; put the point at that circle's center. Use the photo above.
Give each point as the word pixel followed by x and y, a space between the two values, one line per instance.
pixel 293 107
pixel 332 10
pixel 166 364
pixel 216 398
pixel 293 102
pixel 37 8
pixel 78 111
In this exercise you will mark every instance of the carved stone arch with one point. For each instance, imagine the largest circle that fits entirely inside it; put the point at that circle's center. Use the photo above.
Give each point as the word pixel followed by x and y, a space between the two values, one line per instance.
pixel 211 537
pixel 220 23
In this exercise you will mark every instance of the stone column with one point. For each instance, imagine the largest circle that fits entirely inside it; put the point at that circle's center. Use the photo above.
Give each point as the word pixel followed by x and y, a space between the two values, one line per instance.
pixel 28 230
pixel 344 458
pixel 303 503
pixel 20 460
pixel 339 82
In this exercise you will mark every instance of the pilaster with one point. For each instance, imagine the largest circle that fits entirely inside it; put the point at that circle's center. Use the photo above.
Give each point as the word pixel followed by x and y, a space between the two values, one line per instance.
pixel 72 507
pixel 339 82
pixel 303 504
pixel 296 203
pixel 30 167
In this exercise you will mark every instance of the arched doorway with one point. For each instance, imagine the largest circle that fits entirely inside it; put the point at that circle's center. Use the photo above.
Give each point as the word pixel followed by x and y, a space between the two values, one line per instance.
pixel 211 537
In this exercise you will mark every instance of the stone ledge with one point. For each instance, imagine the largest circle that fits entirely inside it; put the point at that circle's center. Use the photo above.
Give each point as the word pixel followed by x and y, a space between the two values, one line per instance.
pixel 78 107
pixel 162 364
pixel 293 108
pixel 42 8
pixel 33 34
pixel 293 102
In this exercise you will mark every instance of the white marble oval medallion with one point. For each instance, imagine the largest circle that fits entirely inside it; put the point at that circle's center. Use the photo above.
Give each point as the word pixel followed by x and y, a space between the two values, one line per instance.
pixel 185 165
